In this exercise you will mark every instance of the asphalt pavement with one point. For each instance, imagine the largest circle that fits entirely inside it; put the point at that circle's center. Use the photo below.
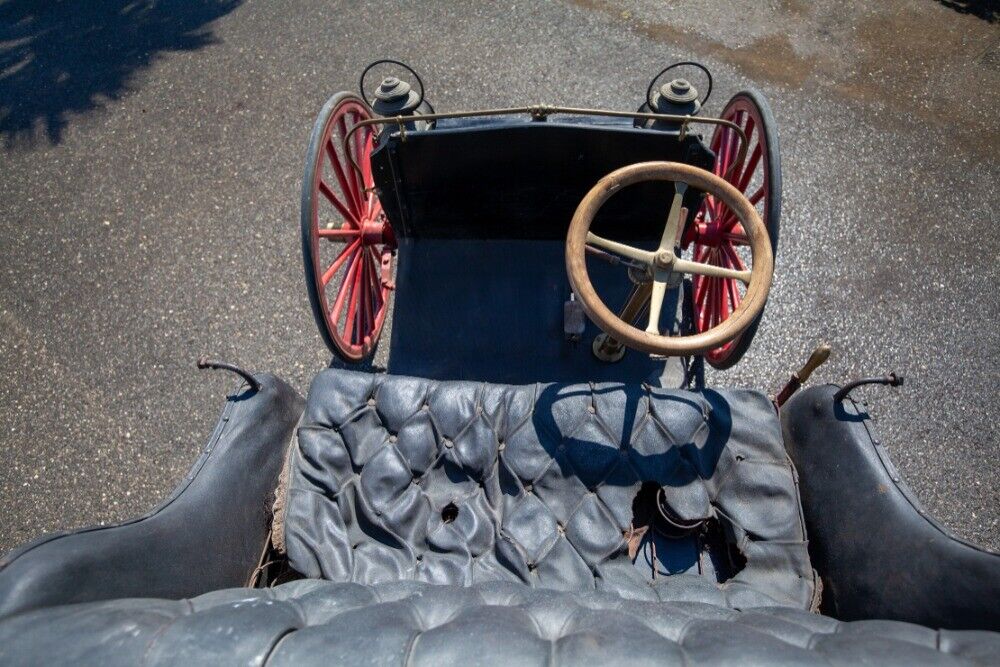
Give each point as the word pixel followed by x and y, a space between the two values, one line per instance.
pixel 149 186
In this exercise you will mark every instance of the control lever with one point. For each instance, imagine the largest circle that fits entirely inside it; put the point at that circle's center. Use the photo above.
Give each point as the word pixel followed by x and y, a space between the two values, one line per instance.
pixel 816 359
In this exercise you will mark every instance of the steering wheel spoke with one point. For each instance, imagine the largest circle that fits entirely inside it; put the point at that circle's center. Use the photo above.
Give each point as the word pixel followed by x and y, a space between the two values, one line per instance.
pixel 685 266
pixel 656 298
pixel 627 251
pixel 670 231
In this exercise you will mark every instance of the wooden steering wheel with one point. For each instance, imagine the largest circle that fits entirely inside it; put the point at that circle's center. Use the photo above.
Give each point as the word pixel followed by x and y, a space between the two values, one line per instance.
pixel 664 263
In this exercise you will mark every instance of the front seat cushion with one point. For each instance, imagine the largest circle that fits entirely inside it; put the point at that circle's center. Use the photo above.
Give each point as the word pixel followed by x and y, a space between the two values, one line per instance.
pixel 459 483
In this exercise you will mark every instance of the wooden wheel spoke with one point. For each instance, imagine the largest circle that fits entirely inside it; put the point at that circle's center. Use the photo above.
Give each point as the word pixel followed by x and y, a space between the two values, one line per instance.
pixel 339 205
pixel 722 312
pixel 346 185
pixel 361 314
pixel 711 304
pixel 733 258
pixel 366 172
pixel 339 261
pixel 376 279
pixel 732 150
pixel 341 234
pixel 720 146
pixel 734 295
pixel 736 236
pixel 338 304
pixel 350 321
pixel 701 299
pixel 358 150
pixel 751 167
pixel 727 219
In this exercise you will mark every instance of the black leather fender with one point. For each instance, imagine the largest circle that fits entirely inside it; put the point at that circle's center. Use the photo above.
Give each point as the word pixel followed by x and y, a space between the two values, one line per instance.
pixel 207 535
pixel 878 552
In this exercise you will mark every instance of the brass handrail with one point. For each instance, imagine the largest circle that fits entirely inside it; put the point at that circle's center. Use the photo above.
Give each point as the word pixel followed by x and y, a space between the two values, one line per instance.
pixel 538 111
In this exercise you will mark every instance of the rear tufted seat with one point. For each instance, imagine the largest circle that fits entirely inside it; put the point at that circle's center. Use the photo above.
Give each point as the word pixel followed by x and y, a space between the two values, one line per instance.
pixel 313 622
pixel 463 523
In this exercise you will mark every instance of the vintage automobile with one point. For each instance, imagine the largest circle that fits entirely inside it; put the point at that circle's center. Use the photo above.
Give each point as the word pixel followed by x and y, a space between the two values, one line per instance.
pixel 539 474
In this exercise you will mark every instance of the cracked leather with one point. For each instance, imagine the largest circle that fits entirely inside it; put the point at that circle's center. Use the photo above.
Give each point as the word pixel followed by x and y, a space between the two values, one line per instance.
pixel 543 477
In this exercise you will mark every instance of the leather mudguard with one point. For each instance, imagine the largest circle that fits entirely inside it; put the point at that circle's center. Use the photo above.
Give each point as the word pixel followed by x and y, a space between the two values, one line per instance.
pixel 207 535
pixel 878 552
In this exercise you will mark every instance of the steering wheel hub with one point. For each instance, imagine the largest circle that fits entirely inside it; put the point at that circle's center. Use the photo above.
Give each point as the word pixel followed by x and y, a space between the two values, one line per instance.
pixel 664 259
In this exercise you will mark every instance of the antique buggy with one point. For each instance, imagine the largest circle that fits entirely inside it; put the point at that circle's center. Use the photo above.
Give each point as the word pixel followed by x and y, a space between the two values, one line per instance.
pixel 521 485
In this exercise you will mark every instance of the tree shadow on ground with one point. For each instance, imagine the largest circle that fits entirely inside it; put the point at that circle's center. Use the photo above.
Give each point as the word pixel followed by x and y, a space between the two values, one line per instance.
pixel 59 58
pixel 988 10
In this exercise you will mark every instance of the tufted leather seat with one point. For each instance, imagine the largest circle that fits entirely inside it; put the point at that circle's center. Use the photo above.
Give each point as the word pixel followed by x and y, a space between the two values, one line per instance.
pixel 313 622
pixel 541 482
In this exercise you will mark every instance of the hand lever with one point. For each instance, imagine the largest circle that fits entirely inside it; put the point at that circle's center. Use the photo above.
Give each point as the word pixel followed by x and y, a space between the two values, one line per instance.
pixel 816 359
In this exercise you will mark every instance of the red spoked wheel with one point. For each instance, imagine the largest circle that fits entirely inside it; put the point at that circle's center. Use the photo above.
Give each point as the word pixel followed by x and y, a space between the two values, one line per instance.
pixel 716 237
pixel 348 245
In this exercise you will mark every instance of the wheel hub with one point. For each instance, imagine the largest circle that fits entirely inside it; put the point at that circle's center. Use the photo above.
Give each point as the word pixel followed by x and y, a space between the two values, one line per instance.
pixel 377 231
pixel 708 233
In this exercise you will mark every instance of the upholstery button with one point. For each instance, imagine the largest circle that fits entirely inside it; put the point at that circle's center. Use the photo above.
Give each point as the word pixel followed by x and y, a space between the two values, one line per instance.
pixel 527 488
pixel 447 443
pixel 392 438
pixel 591 409
pixel 502 446
pixel 371 401
pixel 425 406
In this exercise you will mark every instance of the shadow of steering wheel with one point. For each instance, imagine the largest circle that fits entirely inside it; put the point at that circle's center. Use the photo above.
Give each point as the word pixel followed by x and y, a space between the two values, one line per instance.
pixel 619 409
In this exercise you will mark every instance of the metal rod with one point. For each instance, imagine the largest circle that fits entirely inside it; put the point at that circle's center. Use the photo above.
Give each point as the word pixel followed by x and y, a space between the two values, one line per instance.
pixel 205 362
pixel 891 380
pixel 544 110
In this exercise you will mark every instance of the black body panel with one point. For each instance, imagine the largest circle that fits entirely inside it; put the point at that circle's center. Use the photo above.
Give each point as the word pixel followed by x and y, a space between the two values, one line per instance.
pixel 481 211
pixel 493 311
pixel 524 179
pixel 877 551
pixel 207 535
